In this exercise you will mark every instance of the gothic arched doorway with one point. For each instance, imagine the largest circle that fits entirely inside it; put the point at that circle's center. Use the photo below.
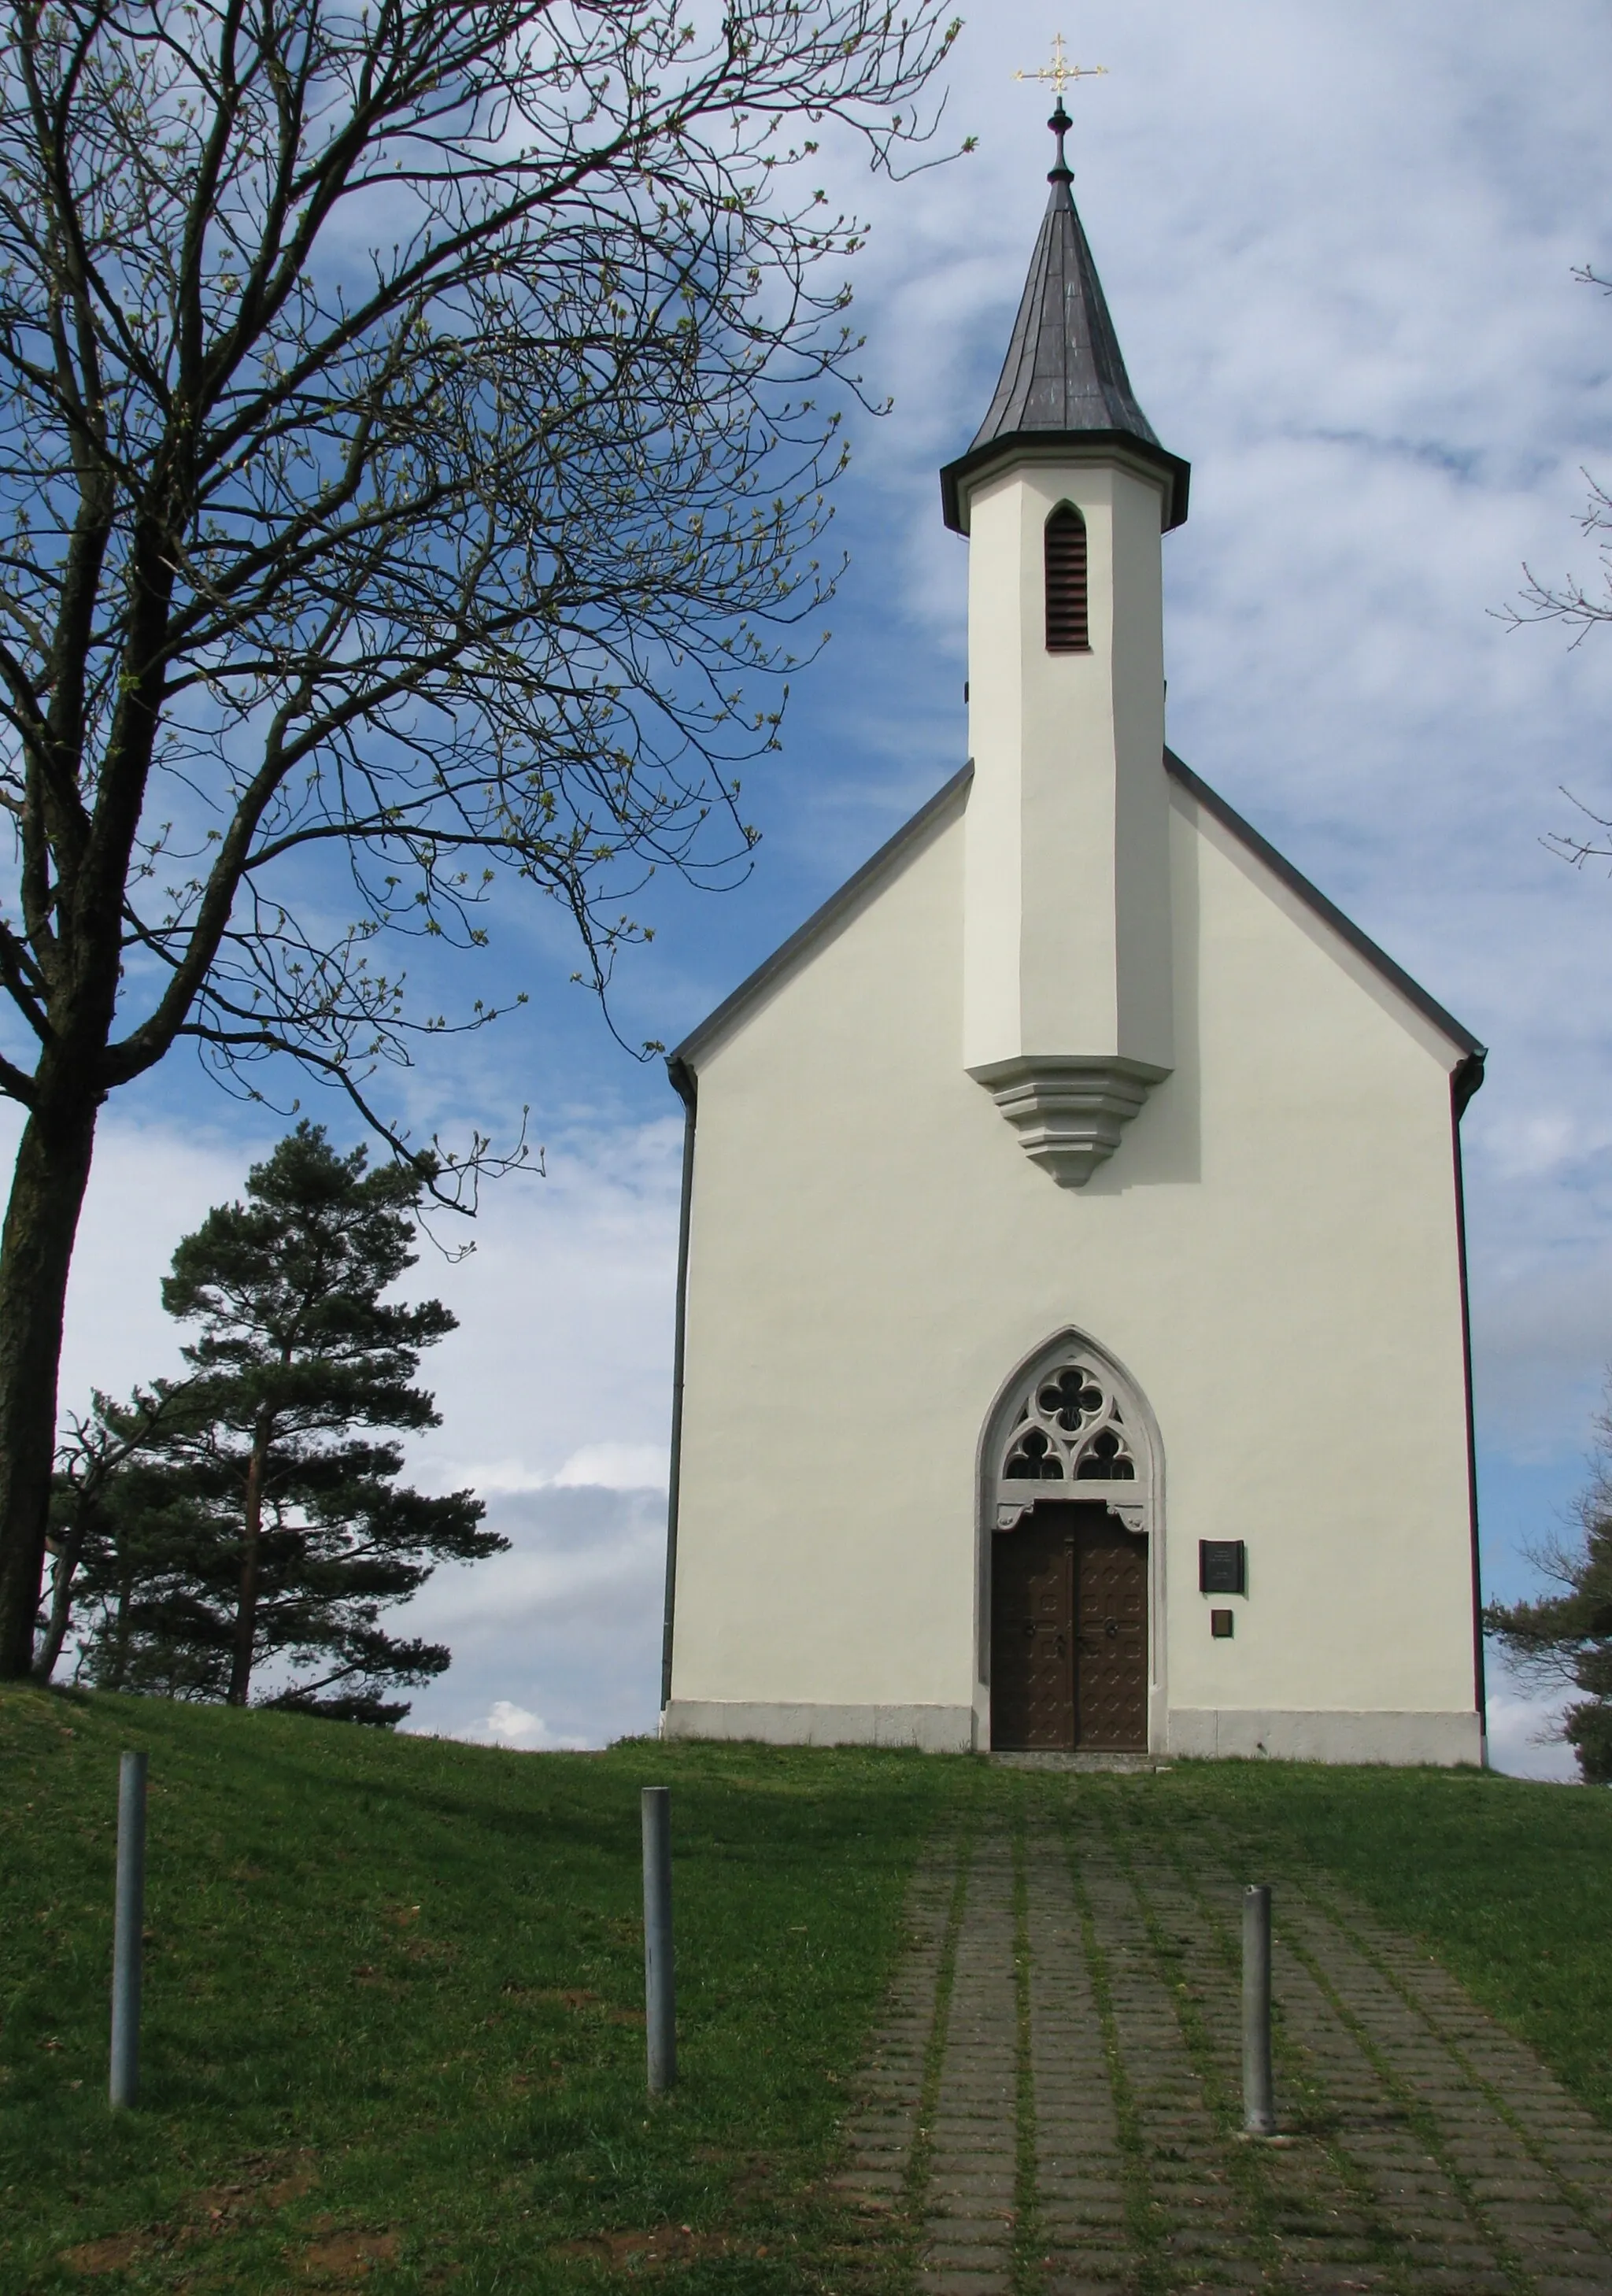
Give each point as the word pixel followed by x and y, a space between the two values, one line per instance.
pixel 1071 1463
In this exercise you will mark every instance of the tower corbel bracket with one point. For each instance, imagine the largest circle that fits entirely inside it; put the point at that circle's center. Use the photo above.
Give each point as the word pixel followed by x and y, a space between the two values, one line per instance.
pixel 1069 1109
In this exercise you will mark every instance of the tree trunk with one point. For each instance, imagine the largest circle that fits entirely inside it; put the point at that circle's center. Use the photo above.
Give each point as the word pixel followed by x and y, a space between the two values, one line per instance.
pixel 65 1566
pixel 35 1254
pixel 251 1531
pixel 126 1595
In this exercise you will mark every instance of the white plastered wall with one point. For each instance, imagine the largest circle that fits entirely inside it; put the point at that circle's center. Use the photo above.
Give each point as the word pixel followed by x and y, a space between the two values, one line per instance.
pixel 1271 1252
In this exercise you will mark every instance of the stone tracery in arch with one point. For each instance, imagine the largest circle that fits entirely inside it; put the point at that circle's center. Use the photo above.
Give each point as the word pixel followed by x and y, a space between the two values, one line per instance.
pixel 1068 1426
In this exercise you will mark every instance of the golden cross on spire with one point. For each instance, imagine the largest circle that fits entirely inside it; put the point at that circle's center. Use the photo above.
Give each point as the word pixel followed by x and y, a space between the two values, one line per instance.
pixel 1060 72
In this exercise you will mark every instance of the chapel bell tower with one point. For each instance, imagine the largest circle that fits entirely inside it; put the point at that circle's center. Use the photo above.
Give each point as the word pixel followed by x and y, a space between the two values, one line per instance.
pixel 1065 495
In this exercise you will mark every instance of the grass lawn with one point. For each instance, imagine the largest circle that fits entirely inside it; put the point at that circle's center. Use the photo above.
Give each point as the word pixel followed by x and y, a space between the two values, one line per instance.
pixel 394 2004
pixel 394 1987
pixel 1508 1881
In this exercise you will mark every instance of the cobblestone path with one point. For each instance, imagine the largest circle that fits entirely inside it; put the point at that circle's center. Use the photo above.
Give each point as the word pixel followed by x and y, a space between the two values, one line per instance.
pixel 1054 2100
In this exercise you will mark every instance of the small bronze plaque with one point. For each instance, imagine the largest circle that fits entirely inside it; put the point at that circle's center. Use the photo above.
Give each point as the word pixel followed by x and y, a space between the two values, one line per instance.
pixel 1222 1625
pixel 1223 1566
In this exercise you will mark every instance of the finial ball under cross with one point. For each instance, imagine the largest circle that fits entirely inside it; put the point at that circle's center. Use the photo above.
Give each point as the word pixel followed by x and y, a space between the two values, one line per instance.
pixel 1060 71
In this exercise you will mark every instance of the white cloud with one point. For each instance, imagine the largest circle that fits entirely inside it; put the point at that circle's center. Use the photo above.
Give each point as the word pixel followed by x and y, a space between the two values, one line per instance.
pixel 559 1373
pixel 601 1466
pixel 560 1370
pixel 1524 1724
pixel 615 1467
pixel 150 1183
pixel 509 1724
pixel 567 1625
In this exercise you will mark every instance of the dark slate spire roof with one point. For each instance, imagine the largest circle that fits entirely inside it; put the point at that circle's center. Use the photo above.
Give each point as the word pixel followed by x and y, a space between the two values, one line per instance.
pixel 1063 381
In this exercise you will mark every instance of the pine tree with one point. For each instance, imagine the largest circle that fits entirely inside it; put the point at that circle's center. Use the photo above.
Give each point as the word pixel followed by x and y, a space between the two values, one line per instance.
pixel 263 1526
pixel 1566 1638
pixel 102 1496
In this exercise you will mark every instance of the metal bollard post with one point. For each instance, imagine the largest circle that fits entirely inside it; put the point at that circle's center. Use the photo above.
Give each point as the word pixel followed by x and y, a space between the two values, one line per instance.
pixel 127 1923
pixel 1258 2101
pixel 659 1990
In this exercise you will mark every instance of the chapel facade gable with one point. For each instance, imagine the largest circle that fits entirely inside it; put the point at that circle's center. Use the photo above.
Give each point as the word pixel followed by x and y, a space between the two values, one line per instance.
pixel 1065 1206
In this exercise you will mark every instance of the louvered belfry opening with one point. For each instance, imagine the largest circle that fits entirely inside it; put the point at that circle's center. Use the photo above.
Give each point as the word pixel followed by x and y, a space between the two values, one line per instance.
pixel 1066 555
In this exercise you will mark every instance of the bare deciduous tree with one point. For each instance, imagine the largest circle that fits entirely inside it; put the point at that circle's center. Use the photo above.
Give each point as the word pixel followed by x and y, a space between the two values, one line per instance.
pixel 414 422
pixel 1580 606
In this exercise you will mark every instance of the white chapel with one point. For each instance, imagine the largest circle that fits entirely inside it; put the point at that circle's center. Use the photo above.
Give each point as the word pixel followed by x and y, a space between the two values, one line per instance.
pixel 1072 1343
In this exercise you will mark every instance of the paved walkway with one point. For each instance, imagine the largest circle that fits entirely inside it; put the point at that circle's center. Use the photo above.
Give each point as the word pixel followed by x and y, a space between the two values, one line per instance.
pixel 1054 2098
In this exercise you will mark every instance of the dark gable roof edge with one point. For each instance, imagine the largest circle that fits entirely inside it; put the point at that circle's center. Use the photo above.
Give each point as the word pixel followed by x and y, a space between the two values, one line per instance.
pixel 1470 1071
pixel 686 1054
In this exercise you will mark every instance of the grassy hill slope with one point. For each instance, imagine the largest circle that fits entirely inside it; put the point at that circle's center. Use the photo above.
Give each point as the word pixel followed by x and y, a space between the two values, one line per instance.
pixel 394 1987
pixel 394 2000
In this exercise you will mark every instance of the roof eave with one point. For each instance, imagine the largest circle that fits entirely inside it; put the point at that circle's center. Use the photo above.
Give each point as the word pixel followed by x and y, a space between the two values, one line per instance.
pixel 1063 446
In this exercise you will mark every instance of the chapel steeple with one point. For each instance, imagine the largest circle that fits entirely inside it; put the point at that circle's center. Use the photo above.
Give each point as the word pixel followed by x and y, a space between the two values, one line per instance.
pixel 1065 494
pixel 1063 382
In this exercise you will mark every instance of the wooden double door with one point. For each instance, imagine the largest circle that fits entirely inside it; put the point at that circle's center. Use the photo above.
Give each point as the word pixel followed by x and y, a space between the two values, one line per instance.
pixel 1069 1632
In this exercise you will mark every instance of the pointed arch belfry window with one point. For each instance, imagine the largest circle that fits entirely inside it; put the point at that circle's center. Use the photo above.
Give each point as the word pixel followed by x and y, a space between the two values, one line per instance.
pixel 1065 545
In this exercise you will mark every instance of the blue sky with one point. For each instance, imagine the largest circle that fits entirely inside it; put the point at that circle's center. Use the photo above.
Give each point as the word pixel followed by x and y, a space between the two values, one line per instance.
pixel 1339 243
